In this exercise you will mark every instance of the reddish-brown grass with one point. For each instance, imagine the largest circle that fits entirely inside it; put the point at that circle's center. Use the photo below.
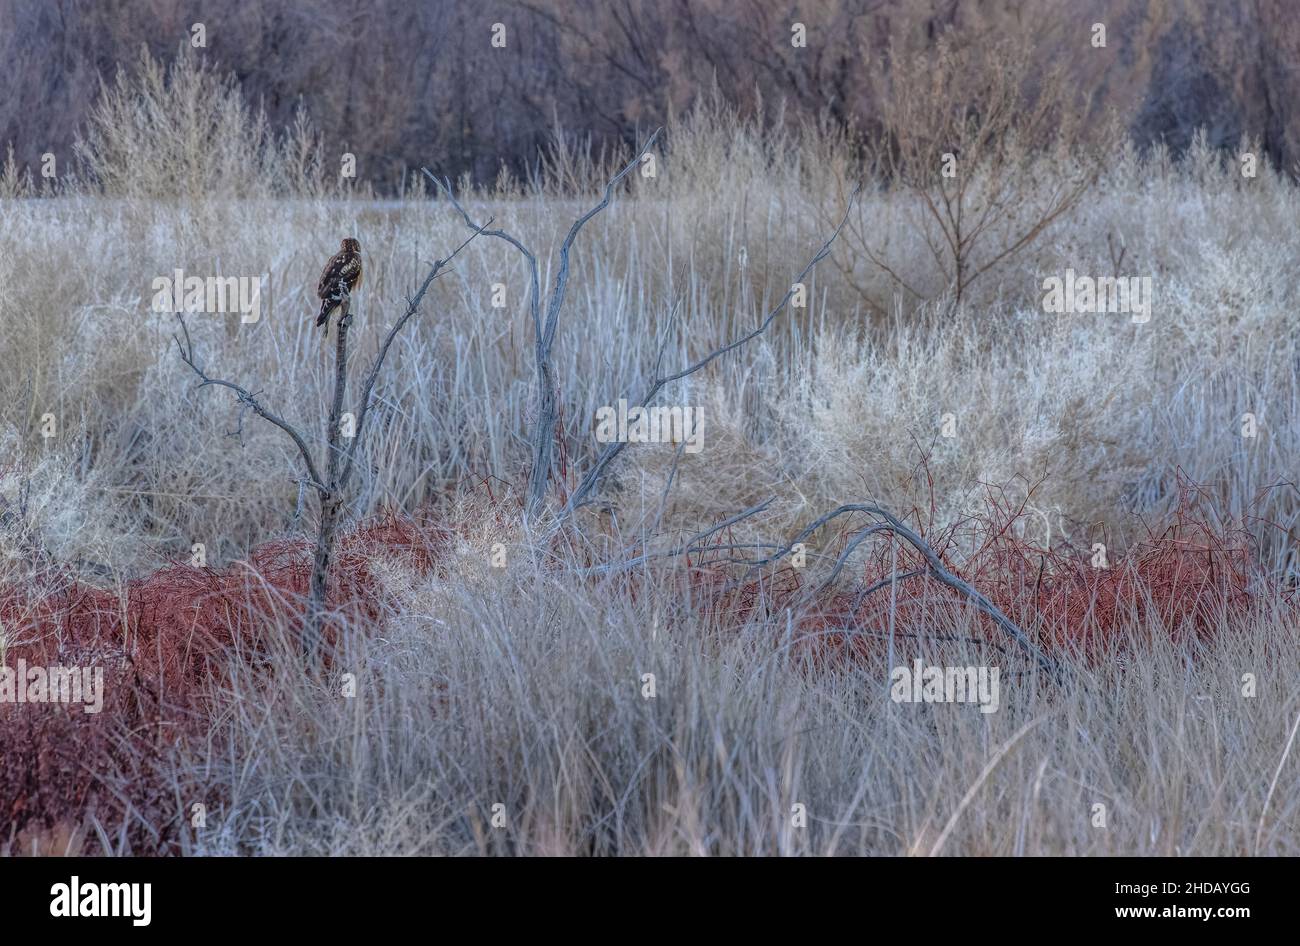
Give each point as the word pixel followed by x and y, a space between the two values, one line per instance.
pixel 164 640
pixel 1193 577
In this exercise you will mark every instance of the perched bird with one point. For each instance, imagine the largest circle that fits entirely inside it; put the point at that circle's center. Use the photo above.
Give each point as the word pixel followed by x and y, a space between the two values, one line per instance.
pixel 342 274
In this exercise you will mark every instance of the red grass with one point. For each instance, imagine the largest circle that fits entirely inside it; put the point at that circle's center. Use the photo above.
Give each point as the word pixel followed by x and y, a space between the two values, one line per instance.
pixel 165 639
pixel 162 641
pixel 1186 580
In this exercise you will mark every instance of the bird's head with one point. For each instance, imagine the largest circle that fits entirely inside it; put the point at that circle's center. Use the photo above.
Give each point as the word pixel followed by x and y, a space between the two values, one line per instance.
pixel 351 246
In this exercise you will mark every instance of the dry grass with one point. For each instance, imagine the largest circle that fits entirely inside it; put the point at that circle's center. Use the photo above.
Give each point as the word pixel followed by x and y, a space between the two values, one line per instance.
pixel 521 685
pixel 521 689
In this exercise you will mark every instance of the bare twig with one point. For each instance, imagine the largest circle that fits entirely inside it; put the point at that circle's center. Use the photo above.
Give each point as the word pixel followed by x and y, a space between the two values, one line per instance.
pixel 248 399
pixel 690 545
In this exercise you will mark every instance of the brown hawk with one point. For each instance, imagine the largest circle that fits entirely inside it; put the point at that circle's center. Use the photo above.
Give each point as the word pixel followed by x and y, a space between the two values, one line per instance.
pixel 342 274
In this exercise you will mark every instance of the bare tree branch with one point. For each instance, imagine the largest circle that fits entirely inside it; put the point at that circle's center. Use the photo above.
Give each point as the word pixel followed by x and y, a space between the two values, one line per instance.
pixel 684 548
pixel 368 386
pixel 612 450
pixel 936 569
pixel 890 523
pixel 544 327
pixel 248 399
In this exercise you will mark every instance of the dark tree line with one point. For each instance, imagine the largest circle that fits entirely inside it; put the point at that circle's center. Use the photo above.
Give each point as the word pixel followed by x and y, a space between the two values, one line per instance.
pixel 404 82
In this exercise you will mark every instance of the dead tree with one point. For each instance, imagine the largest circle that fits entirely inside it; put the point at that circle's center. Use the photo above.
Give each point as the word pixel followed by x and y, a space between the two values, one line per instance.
pixel 888 523
pixel 331 487
pixel 545 432
pixel 331 505
pixel 544 325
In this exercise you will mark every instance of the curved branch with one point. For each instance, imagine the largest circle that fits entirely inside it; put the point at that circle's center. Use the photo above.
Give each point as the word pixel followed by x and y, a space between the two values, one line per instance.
pixel 890 523
pixel 248 399
pixel 534 292
pixel 612 450
pixel 937 570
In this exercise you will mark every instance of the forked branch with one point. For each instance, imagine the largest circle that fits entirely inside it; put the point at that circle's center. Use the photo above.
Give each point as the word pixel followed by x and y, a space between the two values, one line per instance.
pixel 544 326
pixel 249 400
pixel 611 451
pixel 368 386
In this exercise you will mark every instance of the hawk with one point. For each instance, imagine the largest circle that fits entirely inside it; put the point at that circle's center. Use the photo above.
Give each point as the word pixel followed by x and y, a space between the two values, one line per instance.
pixel 342 274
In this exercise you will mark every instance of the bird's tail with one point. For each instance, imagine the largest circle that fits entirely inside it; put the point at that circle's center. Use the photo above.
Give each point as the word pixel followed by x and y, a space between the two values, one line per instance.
pixel 327 308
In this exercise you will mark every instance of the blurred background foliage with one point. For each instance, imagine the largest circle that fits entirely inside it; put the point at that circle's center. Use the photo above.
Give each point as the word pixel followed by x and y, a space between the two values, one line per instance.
pixel 400 84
